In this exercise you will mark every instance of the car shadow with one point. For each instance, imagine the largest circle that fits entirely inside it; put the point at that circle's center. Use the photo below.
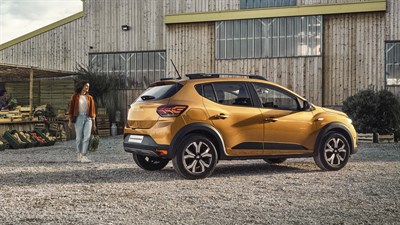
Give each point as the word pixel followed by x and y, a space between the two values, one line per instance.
pixel 257 169
pixel 92 174
pixel 87 176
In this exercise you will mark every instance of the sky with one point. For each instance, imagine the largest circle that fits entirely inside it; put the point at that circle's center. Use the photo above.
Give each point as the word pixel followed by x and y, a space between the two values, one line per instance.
pixel 19 17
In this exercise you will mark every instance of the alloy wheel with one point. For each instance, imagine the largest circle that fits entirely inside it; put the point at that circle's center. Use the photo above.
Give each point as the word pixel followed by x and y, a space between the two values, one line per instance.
pixel 197 157
pixel 335 151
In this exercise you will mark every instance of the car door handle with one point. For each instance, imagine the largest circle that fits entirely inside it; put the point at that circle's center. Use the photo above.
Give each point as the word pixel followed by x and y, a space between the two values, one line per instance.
pixel 271 119
pixel 221 116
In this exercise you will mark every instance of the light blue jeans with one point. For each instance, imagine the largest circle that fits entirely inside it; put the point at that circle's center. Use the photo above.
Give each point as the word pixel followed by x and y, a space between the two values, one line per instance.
pixel 83 130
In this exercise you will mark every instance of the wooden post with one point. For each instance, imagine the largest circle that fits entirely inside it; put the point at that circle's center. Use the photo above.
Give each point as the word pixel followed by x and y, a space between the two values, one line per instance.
pixel 30 92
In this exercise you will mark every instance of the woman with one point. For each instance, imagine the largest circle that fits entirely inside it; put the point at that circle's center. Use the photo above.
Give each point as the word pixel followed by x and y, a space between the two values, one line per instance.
pixel 82 113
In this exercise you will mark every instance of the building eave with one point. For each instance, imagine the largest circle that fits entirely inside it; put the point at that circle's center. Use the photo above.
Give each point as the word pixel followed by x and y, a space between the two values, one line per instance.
pixel 41 30
pixel 303 10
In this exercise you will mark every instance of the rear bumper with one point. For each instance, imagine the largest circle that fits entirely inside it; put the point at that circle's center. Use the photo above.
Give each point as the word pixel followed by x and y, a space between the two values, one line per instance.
pixel 147 147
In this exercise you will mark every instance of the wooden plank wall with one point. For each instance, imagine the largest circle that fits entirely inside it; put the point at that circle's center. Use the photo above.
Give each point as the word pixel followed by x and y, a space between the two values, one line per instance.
pixel 393 20
pixel 59 49
pixel 57 93
pixel 104 19
pixel 20 91
pixel 191 47
pixel 190 6
pixel 353 55
pixel 54 92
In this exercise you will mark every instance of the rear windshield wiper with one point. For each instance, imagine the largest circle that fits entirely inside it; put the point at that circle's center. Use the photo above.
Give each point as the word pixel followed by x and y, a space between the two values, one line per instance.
pixel 147 97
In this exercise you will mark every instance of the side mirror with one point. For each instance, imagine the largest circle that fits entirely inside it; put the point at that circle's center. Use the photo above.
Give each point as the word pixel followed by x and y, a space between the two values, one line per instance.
pixel 307 106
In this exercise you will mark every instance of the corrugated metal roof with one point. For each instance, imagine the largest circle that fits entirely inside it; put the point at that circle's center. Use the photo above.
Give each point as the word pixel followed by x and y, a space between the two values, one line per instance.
pixel 41 30
pixel 11 73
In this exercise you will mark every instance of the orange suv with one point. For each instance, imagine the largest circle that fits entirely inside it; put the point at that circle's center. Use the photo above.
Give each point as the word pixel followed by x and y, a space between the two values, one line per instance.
pixel 196 122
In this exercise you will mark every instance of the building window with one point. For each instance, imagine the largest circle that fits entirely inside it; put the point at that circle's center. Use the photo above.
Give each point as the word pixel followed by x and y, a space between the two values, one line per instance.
pixel 393 63
pixel 136 70
pixel 249 4
pixel 267 38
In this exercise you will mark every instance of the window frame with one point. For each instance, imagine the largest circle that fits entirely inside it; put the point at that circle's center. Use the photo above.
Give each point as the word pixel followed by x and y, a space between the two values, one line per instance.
pixel 246 87
pixel 386 63
pixel 307 42
pixel 132 69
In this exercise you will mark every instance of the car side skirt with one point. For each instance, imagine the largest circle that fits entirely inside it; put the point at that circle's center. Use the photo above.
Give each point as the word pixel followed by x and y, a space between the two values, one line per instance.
pixel 268 146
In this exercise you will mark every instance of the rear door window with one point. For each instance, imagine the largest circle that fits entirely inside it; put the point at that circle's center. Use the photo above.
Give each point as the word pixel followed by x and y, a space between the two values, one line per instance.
pixel 228 93
pixel 159 92
pixel 208 91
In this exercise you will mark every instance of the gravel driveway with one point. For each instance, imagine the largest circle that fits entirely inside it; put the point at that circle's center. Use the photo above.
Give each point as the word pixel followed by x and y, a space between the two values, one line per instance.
pixel 45 185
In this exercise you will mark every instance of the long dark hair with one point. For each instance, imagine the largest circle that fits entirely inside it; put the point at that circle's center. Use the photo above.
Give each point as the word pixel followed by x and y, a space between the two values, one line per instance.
pixel 79 86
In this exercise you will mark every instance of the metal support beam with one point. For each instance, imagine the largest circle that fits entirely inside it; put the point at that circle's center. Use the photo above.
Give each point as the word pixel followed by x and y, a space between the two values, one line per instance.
pixel 30 91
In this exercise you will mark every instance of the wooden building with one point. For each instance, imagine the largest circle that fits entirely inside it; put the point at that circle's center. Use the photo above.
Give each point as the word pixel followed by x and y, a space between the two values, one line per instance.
pixel 326 50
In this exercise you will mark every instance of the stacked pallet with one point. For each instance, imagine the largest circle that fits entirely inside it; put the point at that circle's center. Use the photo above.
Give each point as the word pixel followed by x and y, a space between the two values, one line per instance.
pixel 365 138
pixel 103 122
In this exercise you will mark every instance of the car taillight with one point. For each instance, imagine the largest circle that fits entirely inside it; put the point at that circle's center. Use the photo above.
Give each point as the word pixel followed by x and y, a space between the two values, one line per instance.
pixel 171 110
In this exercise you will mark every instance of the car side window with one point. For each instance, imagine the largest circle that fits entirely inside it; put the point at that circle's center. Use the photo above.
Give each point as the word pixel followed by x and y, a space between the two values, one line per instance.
pixel 208 92
pixel 273 97
pixel 232 93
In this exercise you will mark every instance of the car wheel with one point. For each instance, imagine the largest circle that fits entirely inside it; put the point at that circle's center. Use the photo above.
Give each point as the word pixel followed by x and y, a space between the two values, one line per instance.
pixel 275 160
pixel 333 153
pixel 150 163
pixel 196 157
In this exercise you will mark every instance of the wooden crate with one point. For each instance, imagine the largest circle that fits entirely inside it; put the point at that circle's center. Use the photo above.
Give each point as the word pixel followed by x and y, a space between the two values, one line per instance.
pixel 103 132
pixel 365 138
pixel 385 138
pixel 102 112
pixel 40 126
pixel 103 122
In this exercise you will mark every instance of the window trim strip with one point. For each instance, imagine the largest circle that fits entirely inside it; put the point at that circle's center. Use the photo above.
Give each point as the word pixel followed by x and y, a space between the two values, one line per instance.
pixel 303 10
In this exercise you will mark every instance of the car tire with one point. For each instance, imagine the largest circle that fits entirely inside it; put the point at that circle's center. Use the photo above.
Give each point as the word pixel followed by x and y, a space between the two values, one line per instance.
pixel 333 153
pixel 150 163
pixel 275 160
pixel 196 157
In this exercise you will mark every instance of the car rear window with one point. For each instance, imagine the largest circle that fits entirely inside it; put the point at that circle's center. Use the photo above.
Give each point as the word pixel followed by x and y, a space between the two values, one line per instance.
pixel 159 92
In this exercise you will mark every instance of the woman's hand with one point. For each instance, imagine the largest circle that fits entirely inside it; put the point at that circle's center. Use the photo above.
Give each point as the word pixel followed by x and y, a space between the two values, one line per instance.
pixel 94 126
pixel 70 124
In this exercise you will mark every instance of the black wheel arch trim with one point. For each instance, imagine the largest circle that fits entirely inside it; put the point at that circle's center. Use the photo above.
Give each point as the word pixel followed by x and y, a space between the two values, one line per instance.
pixel 197 128
pixel 330 127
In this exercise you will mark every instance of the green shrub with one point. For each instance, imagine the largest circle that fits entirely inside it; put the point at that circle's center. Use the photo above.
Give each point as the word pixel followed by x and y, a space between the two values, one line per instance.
pixel 361 108
pixel 373 111
pixel 388 113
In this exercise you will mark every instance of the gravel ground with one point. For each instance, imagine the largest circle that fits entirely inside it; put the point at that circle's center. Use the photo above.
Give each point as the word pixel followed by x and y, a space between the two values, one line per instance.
pixel 44 185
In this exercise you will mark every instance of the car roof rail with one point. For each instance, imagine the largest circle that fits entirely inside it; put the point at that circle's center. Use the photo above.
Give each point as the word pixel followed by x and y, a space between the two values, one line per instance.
pixel 168 78
pixel 217 75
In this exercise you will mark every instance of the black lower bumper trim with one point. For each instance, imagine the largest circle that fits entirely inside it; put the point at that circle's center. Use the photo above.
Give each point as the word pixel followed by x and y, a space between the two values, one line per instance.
pixel 148 147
